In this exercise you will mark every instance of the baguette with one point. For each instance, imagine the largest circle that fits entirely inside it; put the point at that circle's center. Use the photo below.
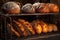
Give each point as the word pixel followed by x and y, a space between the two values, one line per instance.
pixel 21 28
pixel 13 30
pixel 27 25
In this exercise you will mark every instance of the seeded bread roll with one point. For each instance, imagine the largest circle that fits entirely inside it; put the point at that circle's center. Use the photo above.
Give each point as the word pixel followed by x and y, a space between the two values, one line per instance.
pixel 53 8
pixel 28 8
pixel 11 8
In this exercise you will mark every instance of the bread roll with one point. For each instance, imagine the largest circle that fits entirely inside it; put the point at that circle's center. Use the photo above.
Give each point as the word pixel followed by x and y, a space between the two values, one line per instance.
pixel 50 27
pixel 11 7
pixel 54 27
pixel 41 7
pixel 44 26
pixel 53 8
pixel 28 8
pixel 37 27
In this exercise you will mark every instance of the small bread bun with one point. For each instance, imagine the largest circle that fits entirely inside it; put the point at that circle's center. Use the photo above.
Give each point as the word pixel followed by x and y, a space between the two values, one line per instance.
pixel 55 28
pixel 50 28
pixel 28 8
pixel 11 7
pixel 53 7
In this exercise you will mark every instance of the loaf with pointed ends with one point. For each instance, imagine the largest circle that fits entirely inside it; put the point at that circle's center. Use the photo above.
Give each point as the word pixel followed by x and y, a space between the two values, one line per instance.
pixel 11 7
pixel 27 25
pixel 21 28
pixel 12 30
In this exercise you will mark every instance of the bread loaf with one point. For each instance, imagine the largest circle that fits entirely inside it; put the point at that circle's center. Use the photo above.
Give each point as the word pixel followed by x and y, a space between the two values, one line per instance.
pixel 27 25
pixel 21 28
pixel 53 8
pixel 11 7
pixel 41 7
pixel 37 27
pixel 28 8
pixel 12 30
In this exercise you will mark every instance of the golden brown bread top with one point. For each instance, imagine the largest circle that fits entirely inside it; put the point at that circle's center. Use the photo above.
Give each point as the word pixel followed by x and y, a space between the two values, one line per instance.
pixel 27 25
pixel 21 28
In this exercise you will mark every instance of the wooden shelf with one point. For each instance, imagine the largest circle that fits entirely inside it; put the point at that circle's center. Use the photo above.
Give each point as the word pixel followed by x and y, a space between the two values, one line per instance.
pixel 24 14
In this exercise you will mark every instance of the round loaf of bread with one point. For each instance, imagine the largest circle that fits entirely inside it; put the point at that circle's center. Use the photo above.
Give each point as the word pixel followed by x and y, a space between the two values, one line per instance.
pixel 41 7
pixel 53 7
pixel 28 8
pixel 11 7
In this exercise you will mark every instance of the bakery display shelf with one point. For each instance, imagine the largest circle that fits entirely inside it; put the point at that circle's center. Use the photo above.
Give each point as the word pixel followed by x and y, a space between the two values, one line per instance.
pixel 36 37
pixel 43 37
pixel 29 14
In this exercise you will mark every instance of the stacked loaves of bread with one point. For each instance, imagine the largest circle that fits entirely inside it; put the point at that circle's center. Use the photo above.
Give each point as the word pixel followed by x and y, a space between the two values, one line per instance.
pixel 22 27
pixel 16 7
